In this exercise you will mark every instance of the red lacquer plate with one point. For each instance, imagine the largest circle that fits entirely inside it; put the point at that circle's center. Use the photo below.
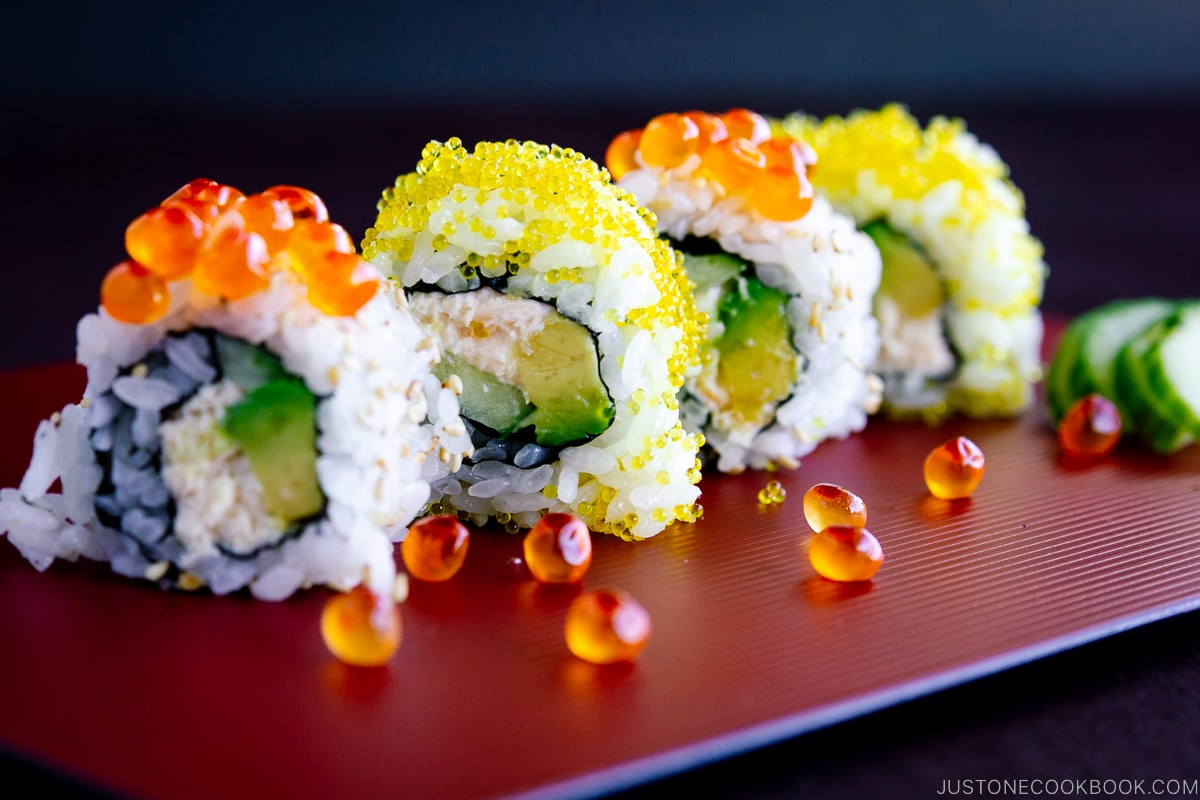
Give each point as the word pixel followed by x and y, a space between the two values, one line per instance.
pixel 173 695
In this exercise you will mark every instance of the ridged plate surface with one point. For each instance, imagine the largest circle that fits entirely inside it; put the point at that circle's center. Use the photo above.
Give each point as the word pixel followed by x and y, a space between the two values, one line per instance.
pixel 176 695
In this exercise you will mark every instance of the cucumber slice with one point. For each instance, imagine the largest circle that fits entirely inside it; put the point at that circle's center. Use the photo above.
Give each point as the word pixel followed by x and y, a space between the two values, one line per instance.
pixel 1139 395
pixel 1172 367
pixel 1103 332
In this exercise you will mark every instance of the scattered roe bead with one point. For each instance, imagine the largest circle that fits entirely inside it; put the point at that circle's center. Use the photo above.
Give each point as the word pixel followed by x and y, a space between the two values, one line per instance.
pixel 619 155
pixel 361 628
pixel 845 553
pixel 558 548
pixel 668 140
pixel 771 494
pixel 341 283
pixel 164 240
pixel 232 263
pixel 827 505
pixel 606 626
pixel 1091 427
pixel 954 469
pixel 435 547
pixel 131 293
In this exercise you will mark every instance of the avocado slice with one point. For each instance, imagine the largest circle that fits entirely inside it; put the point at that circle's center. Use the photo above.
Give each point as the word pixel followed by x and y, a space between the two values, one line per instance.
pixel 909 278
pixel 559 370
pixel 274 425
pixel 757 362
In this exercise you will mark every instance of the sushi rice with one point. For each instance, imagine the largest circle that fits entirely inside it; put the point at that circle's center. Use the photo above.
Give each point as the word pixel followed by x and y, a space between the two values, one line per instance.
pixel 150 483
pixel 952 197
pixel 540 232
pixel 825 272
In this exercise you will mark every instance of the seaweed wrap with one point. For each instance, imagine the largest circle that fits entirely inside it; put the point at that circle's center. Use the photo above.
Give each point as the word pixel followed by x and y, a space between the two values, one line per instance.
pixel 785 280
pixel 962 275
pixel 260 408
pixel 568 325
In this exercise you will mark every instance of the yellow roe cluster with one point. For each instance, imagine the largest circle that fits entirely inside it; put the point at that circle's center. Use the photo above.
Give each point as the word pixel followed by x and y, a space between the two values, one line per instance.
pixel 228 244
pixel 734 150
pixel 559 203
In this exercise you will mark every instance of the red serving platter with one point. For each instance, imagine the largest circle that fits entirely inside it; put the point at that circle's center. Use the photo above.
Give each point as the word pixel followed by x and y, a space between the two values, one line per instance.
pixel 143 692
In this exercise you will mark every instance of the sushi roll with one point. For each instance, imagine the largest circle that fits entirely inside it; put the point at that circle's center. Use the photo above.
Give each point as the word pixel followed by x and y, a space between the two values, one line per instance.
pixel 260 408
pixel 785 280
pixel 568 325
pixel 962 276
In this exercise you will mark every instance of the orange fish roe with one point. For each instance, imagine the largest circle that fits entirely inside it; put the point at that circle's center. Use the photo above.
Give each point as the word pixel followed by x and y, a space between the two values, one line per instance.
pixel 954 469
pixel 558 548
pixel 435 547
pixel 827 504
pixel 131 293
pixel 360 628
pixel 606 626
pixel 1090 427
pixel 228 244
pixel 619 157
pixel 845 553
pixel 736 151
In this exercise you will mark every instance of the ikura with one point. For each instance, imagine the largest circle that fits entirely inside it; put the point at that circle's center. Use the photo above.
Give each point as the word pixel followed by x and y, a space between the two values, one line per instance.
pixel 827 505
pixel 668 140
pixel 954 469
pixel 131 293
pixel 845 553
pixel 1091 427
pixel 435 547
pixel 558 548
pixel 606 626
pixel 619 157
pixel 232 263
pixel 361 628
pixel 164 240
pixel 341 283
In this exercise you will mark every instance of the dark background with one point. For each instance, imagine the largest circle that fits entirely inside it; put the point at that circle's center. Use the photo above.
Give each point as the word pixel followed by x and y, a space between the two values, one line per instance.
pixel 1095 106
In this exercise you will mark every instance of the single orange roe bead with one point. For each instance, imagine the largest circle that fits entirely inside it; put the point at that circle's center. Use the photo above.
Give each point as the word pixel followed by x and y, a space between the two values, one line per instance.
pixel 619 155
pixel 558 548
pixel 712 128
pixel 828 504
pixel 361 628
pixel 780 193
pixel 606 626
pixel 232 264
pixel 435 547
pixel 741 122
pixel 131 293
pixel 1091 427
pixel 303 203
pixel 954 469
pixel 310 241
pixel 845 553
pixel 205 198
pixel 341 283
pixel 164 240
pixel 784 151
pixel 269 217
pixel 668 140
pixel 733 163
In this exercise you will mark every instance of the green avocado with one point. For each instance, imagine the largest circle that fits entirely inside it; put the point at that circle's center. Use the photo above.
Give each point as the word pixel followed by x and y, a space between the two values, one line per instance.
pixel 274 425
pixel 909 278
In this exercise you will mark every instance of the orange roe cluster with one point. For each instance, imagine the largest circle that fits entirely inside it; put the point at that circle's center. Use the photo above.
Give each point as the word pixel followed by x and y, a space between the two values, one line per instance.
pixel 229 244
pixel 734 151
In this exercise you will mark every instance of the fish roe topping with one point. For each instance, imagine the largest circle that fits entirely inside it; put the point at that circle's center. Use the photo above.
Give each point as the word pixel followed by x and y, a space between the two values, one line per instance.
pixel 1091 427
pixel 435 547
pixel 954 469
pixel 845 553
pixel 735 151
pixel 228 244
pixel 772 494
pixel 558 548
pixel 607 626
pixel 361 628
pixel 827 505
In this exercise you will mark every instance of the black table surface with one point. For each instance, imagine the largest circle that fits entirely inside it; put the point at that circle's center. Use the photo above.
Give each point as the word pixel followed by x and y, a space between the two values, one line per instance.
pixel 1111 192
